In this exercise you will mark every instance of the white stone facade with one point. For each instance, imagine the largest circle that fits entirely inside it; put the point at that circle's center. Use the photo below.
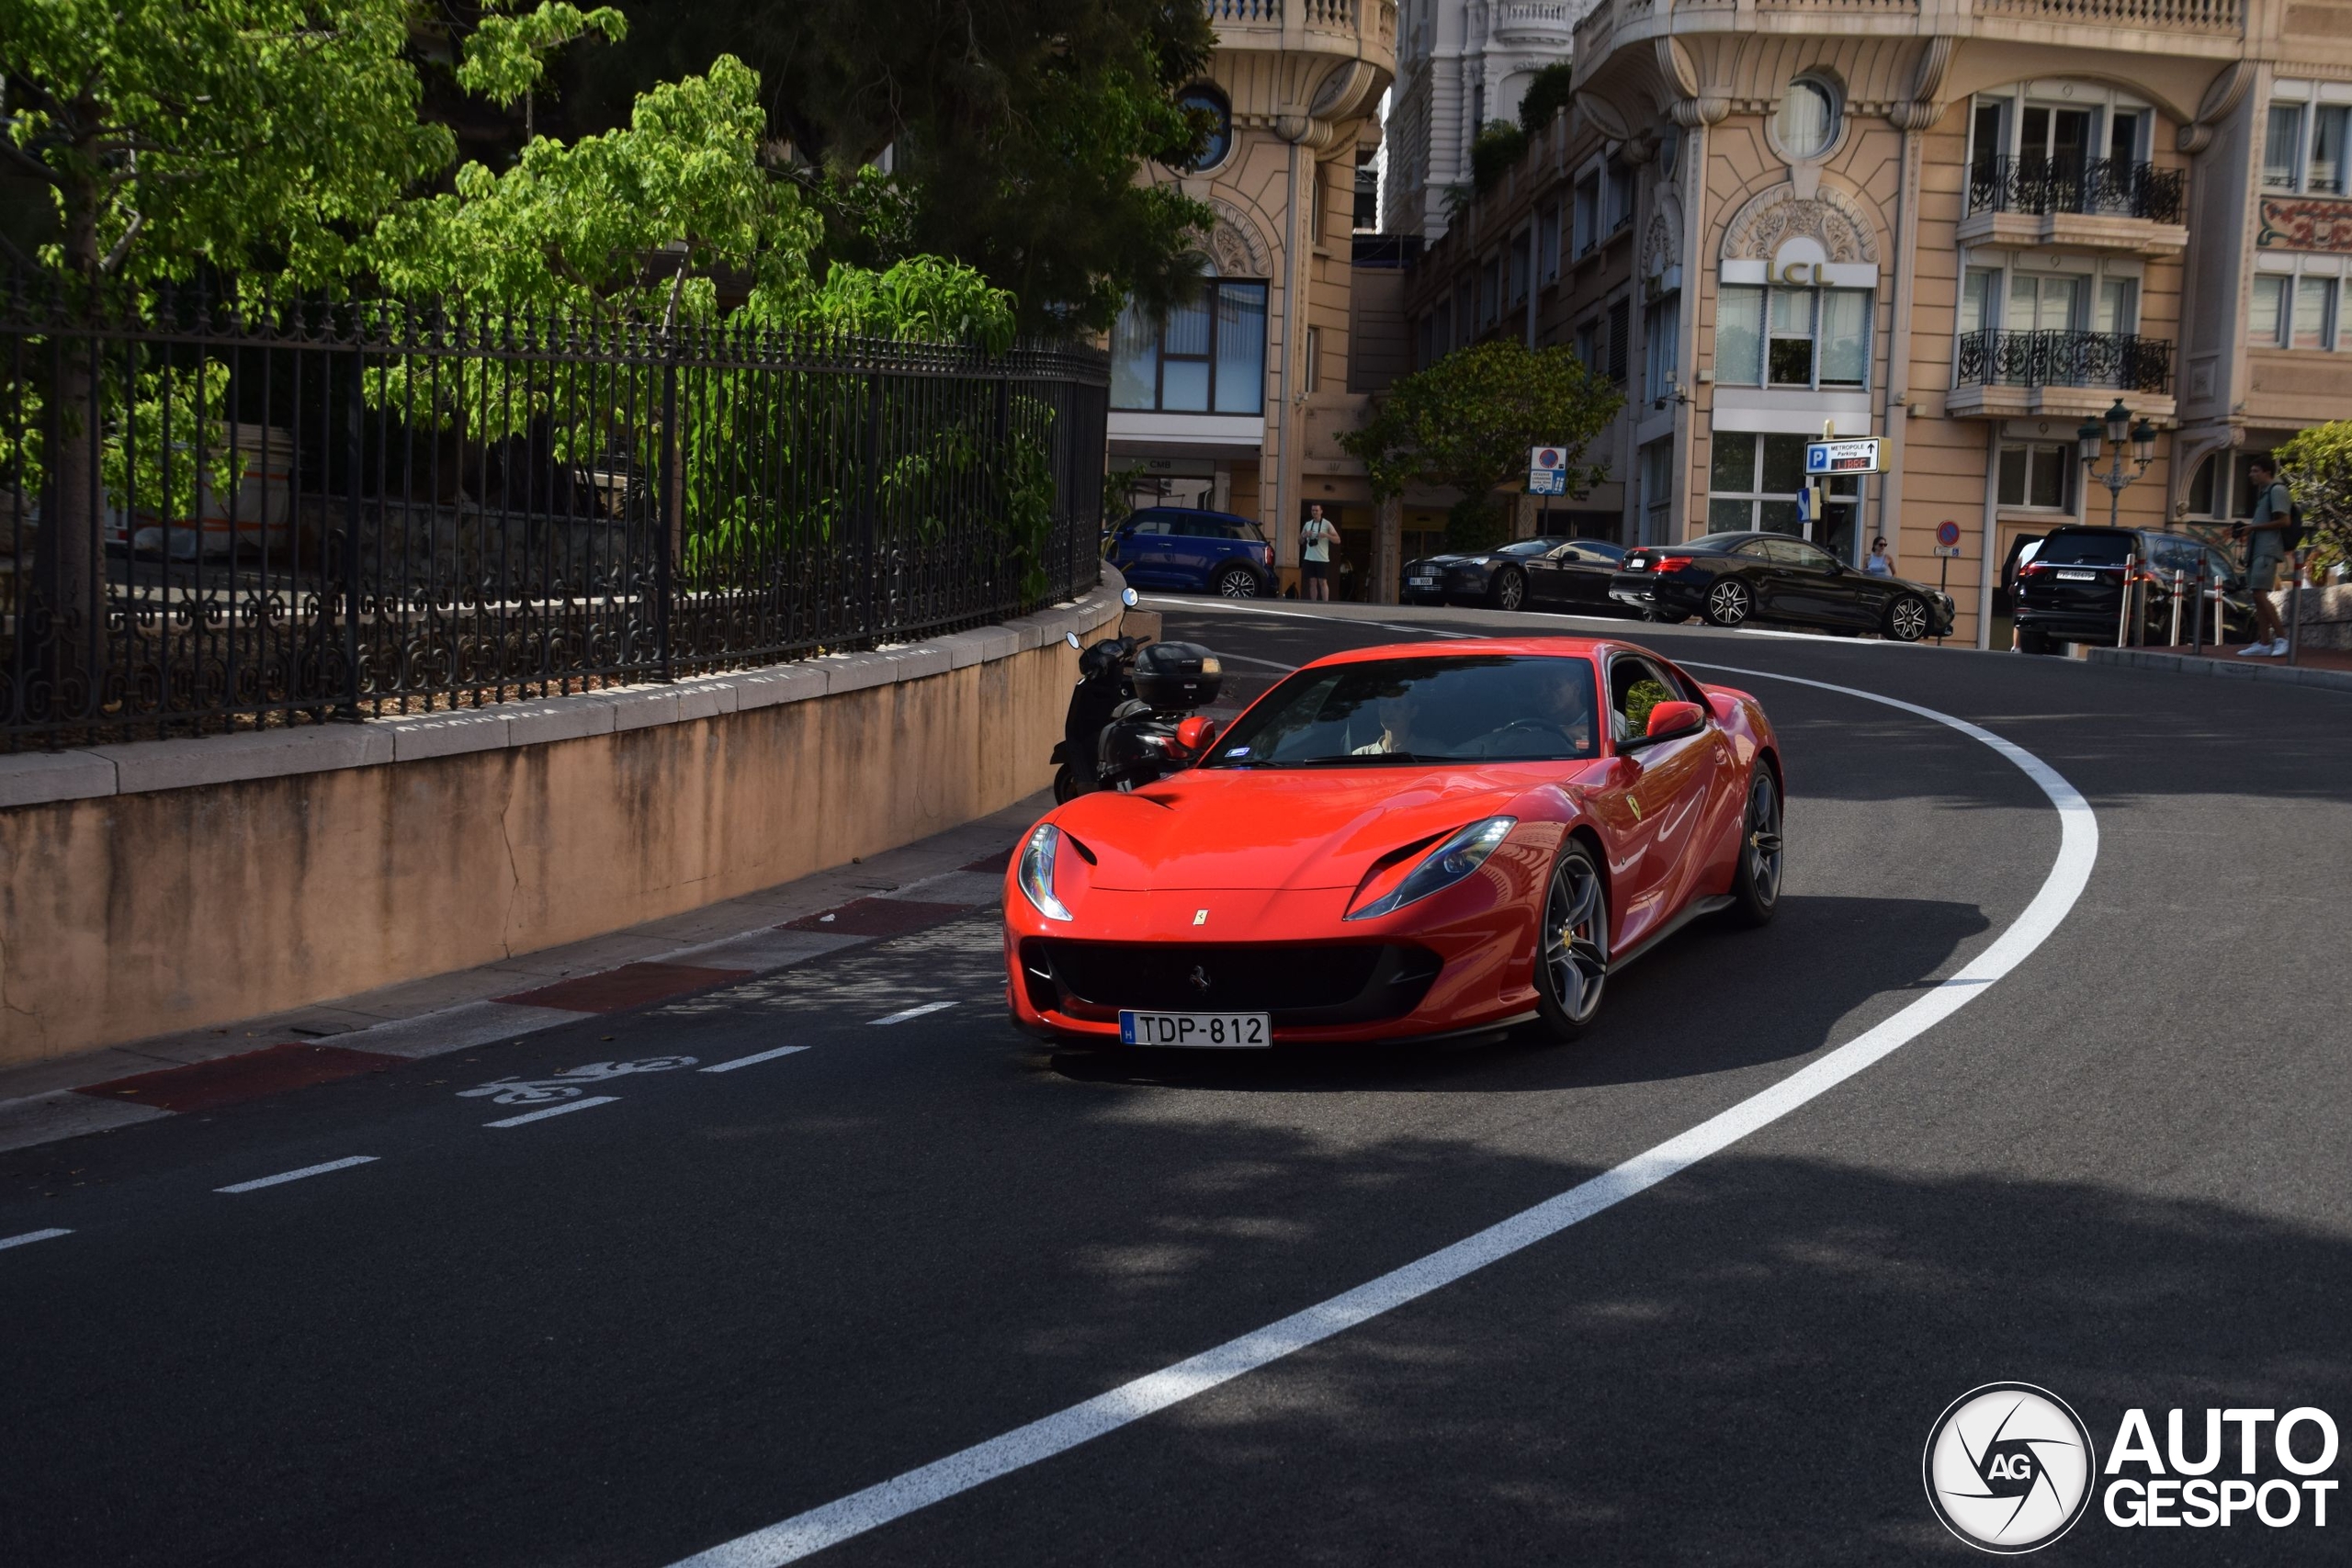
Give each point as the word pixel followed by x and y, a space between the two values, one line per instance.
pixel 1459 63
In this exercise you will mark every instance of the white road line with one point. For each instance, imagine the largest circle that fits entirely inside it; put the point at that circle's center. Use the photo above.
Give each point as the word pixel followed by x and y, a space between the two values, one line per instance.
pixel 913 1013
pixel 1263 663
pixel 8 1241
pixel 753 1061
pixel 564 1109
pixel 259 1182
pixel 861 1511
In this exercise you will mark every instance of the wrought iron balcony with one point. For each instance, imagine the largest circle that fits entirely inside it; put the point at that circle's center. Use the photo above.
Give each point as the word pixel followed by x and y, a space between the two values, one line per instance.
pixel 2097 187
pixel 1995 357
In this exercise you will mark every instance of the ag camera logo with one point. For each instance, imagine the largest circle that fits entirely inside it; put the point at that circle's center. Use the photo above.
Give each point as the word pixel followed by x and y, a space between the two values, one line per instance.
pixel 2009 1467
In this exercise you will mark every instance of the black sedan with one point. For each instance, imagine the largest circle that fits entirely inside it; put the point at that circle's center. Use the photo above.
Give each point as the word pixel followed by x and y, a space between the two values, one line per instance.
pixel 1551 572
pixel 1732 578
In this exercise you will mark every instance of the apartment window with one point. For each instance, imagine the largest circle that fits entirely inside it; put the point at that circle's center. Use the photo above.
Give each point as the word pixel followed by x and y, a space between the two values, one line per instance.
pixel 1547 244
pixel 2222 488
pixel 1753 479
pixel 2303 147
pixel 1658 490
pixel 2314 323
pixel 1980 298
pixel 1620 332
pixel 1313 377
pixel 1427 348
pixel 1587 214
pixel 1207 357
pixel 1661 344
pixel 1464 329
pixel 1793 337
pixel 2038 476
pixel 1518 250
pixel 1588 345
pixel 2265 324
pixel 1619 197
pixel 1490 293
pixel 2118 306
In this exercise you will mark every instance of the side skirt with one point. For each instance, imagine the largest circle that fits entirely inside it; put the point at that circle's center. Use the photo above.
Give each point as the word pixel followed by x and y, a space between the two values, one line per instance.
pixel 1691 911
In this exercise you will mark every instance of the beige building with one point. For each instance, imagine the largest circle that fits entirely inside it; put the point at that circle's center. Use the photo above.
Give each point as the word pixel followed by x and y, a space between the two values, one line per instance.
pixel 1962 226
pixel 1236 403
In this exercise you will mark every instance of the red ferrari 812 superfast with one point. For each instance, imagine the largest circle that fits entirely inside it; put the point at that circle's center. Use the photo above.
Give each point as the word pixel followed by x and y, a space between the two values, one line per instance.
pixel 1407 842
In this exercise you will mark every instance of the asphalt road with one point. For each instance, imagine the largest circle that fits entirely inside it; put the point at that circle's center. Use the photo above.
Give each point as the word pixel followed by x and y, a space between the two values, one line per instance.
pixel 624 1335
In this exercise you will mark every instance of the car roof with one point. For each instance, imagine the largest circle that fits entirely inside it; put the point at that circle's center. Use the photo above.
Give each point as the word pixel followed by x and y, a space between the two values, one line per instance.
pixel 1189 512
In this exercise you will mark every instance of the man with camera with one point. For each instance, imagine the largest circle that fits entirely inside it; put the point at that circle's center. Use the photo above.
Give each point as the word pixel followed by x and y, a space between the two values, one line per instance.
pixel 2268 542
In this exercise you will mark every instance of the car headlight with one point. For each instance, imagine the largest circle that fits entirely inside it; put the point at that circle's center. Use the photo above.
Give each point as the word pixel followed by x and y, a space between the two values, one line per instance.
pixel 1037 875
pixel 1443 866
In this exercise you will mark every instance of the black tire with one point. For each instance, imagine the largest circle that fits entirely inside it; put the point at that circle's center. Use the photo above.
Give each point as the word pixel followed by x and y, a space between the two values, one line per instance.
pixel 1572 944
pixel 1907 619
pixel 1065 785
pixel 2033 640
pixel 1509 591
pixel 1755 884
pixel 1238 582
pixel 1729 601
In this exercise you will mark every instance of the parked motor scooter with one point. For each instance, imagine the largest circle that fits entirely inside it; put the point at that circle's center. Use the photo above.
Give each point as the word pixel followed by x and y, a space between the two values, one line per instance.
pixel 1126 725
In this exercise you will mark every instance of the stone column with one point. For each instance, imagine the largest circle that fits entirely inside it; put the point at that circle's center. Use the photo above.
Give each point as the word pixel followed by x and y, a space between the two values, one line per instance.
pixel 1387 549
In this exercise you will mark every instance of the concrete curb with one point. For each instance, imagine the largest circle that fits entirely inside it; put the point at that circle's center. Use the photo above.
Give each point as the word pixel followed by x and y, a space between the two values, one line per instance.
pixel 2231 669
pixel 38 778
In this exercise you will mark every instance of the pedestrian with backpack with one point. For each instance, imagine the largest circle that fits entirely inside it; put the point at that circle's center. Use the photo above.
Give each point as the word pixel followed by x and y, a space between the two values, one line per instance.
pixel 2272 533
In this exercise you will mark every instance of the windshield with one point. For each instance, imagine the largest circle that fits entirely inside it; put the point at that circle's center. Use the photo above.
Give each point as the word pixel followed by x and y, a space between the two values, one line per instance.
pixel 1473 708
pixel 2067 549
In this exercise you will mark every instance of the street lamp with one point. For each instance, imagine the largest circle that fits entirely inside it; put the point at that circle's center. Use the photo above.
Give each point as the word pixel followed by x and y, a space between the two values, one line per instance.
pixel 2117 432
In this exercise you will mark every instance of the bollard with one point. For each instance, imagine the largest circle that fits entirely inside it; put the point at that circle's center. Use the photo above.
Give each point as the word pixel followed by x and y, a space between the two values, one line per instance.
pixel 2123 612
pixel 2295 609
pixel 2178 576
pixel 2196 612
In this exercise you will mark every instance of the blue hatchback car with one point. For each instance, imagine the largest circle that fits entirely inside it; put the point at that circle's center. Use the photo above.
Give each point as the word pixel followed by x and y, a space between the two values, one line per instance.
pixel 1199 552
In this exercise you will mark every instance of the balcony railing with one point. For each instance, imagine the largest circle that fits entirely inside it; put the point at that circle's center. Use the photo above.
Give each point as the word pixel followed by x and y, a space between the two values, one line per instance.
pixel 2191 15
pixel 1244 10
pixel 2105 187
pixel 1996 356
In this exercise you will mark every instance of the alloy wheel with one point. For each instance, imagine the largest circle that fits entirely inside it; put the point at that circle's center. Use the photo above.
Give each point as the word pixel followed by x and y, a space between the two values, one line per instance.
pixel 1510 591
pixel 1576 938
pixel 1728 603
pixel 1237 585
pixel 1909 620
pixel 1763 844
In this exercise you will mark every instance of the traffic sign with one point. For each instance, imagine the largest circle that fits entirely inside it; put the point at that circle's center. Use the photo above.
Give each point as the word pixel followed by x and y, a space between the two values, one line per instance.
pixel 1948 533
pixel 1842 457
pixel 1547 471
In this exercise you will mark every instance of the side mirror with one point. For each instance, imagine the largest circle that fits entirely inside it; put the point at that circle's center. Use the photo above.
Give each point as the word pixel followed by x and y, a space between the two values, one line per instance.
pixel 1072 638
pixel 1670 719
pixel 1196 735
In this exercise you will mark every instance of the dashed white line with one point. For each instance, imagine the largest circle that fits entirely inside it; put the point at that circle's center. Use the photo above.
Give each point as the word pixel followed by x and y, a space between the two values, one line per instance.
pixel 913 1013
pixel 8 1241
pixel 566 1108
pixel 753 1061
pixel 837 1521
pixel 257 1183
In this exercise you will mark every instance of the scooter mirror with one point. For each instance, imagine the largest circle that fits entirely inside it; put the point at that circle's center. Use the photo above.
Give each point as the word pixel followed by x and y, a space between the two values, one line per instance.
pixel 1128 596
pixel 1072 638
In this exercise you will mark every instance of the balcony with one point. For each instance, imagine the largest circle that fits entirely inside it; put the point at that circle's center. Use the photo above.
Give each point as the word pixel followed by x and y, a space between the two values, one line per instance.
pixel 2066 375
pixel 1537 23
pixel 1365 29
pixel 2097 204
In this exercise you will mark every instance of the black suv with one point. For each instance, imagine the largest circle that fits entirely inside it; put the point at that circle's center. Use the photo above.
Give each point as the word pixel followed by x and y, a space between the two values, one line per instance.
pixel 2068 586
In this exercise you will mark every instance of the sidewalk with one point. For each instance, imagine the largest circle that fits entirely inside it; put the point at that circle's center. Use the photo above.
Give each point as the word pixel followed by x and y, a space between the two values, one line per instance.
pixel 942 878
pixel 2328 668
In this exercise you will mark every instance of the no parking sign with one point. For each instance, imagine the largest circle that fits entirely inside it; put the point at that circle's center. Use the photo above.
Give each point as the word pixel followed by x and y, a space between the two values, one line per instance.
pixel 1547 471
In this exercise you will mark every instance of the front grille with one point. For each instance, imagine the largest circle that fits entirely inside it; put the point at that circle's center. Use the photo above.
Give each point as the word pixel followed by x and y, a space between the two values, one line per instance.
pixel 1296 983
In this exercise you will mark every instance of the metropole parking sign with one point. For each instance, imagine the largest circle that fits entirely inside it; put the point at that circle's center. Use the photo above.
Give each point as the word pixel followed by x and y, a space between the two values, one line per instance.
pixel 1860 457
pixel 1547 471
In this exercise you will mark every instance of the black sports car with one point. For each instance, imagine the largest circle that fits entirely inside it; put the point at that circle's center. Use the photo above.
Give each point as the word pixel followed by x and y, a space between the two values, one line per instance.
pixel 1552 572
pixel 1731 579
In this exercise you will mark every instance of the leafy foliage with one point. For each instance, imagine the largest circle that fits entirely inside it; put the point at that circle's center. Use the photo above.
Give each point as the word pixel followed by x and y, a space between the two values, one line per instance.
pixel 1013 130
pixel 2317 467
pixel 505 56
pixel 174 135
pixel 1548 92
pixel 1493 152
pixel 1467 422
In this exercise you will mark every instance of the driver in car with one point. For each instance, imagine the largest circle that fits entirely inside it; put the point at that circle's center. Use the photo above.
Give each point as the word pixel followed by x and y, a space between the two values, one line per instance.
pixel 1395 712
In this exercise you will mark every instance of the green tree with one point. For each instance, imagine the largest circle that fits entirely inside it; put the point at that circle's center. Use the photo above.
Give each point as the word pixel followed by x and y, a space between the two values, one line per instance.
pixel 505 56
pixel 1013 130
pixel 1548 92
pixel 2317 467
pixel 1466 423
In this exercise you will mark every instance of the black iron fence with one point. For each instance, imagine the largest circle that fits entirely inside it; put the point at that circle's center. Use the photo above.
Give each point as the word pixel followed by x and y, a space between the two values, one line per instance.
pixel 1996 357
pixel 215 515
pixel 2113 187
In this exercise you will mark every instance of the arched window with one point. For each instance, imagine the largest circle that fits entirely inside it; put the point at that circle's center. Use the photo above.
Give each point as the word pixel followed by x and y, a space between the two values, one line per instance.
pixel 1202 99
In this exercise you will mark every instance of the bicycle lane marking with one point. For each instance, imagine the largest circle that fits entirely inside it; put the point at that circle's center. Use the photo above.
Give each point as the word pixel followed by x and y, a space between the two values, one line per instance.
pixel 564 1109
pixel 843 1518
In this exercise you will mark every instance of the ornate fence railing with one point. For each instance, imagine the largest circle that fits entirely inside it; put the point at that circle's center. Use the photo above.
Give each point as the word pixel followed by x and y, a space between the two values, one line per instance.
pixel 1996 357
pixel 215 516
pixel 2115 188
